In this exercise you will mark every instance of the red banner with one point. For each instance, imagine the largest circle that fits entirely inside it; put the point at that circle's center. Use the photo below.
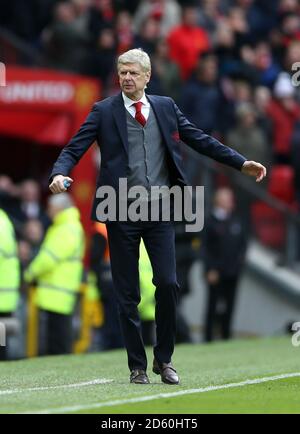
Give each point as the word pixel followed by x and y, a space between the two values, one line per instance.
pixel 43 105
pixel 48 107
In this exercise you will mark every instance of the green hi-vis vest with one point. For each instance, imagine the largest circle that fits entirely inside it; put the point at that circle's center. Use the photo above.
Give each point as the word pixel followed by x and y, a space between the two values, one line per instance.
pixel 147 304
pixel 58 267
pixel 9 266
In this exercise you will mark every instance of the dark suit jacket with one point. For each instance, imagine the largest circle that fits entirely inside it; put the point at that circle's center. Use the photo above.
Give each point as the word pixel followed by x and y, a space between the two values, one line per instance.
pixel 106 123
pixel 224 245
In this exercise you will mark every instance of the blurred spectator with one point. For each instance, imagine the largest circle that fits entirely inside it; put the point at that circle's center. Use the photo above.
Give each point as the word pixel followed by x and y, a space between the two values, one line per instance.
pixel 235 92
pixel 248 64
pixel 148 36
pixel 224 41
pixel 202 91
pixel 210 15
pixel 30 197
pixel 292 55
pixel 224 247
pixel 9 273
pixel 259 17
pixel 287 6
pixel 262 98
pixel 287 27
pixel 8 195
pixel 30 203
pixel 124 32
pixel 267 69
pixel 33 233
pixel 101 14
pixel 165 78
pixel 284 111
pixel 247 137
pixel 81 9
pixel 57 272
pixel 24 254
pixel 22 202
pixel 240 27
pixel 290 28
pixel 199 92
pixel 165 12
pixel 101 60
pixel 6 185
pixel 187 42
pixel 242 92
pixel 66 40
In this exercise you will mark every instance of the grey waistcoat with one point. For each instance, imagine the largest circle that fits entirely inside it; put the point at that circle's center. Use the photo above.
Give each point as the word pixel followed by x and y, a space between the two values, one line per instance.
pixel 147 165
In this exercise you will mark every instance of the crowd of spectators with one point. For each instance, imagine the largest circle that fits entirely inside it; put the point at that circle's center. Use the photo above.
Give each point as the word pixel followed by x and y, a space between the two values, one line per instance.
pixel 227 63
pixel 22 202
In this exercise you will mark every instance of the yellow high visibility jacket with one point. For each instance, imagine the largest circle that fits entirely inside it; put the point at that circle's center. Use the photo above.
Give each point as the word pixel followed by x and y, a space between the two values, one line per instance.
pixel 147 304
pixel 9 266
pixel 58 266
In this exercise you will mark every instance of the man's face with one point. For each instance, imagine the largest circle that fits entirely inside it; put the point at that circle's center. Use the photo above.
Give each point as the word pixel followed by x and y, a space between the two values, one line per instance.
pixel 52 210
pixel 190 16
pixel 225 199
pixel 133 80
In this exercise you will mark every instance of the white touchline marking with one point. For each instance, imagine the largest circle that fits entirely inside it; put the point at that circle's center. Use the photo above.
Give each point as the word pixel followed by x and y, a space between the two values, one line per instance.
pixel 164 395
pixel 61 386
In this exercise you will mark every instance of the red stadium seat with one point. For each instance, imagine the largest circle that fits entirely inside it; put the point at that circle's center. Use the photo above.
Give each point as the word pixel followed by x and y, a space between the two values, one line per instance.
pixel 281 183
pixel 269 225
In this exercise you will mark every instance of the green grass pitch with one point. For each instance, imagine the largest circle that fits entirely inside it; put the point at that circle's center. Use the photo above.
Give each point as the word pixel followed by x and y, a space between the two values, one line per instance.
pixel 43 384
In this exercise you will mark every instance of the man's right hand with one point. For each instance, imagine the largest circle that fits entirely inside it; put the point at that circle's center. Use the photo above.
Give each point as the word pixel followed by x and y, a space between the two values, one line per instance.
pixel 57 184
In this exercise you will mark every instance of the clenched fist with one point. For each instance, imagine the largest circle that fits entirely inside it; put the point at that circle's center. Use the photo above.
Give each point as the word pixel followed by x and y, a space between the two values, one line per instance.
pixel 57 184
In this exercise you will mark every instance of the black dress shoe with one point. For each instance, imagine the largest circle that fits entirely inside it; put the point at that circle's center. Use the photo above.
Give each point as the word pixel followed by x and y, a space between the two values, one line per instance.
pixel 138 376
pixel 166 371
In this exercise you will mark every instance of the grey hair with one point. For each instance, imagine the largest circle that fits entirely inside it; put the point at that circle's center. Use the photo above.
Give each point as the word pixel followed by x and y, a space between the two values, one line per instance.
pixel 62 201
pixel 137 55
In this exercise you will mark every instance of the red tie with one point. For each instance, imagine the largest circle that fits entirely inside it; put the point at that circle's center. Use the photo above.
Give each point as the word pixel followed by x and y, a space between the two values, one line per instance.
pixel 138 113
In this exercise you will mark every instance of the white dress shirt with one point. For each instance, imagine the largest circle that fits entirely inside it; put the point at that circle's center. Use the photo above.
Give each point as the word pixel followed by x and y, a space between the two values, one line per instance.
pixel 131 109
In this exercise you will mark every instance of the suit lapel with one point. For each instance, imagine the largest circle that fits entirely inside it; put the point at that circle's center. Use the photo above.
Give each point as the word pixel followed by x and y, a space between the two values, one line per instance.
pixel 119 114
pixel 160 117
pixel 163 120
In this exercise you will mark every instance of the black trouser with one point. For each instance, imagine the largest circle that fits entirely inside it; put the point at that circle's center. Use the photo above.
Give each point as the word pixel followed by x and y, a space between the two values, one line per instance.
pixel 111 331
pixel 148 332
pixel 58 331
pixel 159 238
pixel 4 349
pixel 225 292
pixel 183 330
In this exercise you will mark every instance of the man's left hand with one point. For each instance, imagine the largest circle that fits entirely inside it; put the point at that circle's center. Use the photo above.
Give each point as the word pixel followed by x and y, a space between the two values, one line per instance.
pixel 257 170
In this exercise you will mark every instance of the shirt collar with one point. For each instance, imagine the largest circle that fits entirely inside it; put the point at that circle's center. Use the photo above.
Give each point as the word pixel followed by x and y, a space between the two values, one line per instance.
pixel 220 213
pixel 129 102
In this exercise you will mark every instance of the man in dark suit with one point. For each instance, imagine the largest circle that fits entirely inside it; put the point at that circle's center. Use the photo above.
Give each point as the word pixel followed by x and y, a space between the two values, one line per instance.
pixel 139 139
pixel 224 248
